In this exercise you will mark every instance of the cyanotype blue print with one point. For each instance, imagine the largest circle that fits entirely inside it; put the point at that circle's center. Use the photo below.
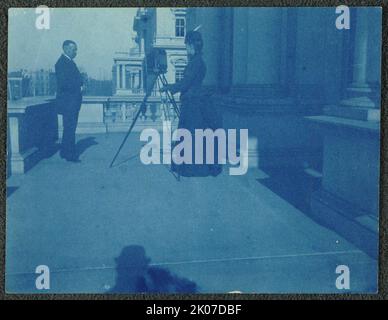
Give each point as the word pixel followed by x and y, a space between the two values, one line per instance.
pixel 193 150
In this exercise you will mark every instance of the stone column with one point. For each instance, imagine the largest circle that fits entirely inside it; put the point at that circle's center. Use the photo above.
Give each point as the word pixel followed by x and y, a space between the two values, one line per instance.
pixel 137 80
pixel 362 101
pixel 257 45
pixel 117 76
pixel 361 51
pixel 123 111
pixel 259 40
pixel 123 76
pixel 240 45
pixel 132 82
pixel 264 45
pixel 14 129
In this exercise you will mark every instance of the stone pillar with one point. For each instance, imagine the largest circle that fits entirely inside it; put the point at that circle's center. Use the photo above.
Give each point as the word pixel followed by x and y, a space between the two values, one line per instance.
pixel 361 51
pixel 134 82
pixel 361 94
pixel 240 45
pixel 14 129
pixel 123 111
pixel 117 76
pixel 264 45
pixel 130 79
pixel 259 55
pixel 362 100
pixel 257 45
pixel 139 81
pixel 123 75
pixel 256 96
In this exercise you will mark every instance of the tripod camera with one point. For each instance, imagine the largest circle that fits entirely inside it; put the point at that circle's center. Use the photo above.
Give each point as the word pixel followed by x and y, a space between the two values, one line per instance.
pixel 155 69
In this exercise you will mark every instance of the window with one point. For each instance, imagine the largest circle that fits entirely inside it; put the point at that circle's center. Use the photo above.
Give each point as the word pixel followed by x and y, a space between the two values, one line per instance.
pixel 180 26
pixel 178 75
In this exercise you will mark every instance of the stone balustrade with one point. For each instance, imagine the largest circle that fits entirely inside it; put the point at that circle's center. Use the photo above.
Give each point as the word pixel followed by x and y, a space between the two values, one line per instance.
pixel 34 127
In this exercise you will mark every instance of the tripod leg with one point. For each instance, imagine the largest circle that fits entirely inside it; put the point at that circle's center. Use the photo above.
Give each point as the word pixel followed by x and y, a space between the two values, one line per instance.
pixel 169 95
pixel 163 104
pixel 127 135
pixel 172 99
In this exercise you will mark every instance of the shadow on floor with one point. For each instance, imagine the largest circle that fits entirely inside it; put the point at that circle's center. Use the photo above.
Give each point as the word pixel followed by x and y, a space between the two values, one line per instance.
pixel 297 188
pixel 83 144
pixel 135 156
pixel 11 190
pixel 135 275
pixel 293 185
pixel 49 150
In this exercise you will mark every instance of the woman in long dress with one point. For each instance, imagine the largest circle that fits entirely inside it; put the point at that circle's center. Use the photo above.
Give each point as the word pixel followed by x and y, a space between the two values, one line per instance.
pixel 194 105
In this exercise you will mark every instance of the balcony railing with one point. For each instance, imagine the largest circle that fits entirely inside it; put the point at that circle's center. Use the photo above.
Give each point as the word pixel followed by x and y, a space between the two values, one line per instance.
pixel 34 127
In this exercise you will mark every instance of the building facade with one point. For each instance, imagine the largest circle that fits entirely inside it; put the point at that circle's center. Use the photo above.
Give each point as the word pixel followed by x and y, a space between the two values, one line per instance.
pixel 25 83
pixel 128 72
pixel 164 28
pixel 44 83
pixel 309 93
pixel 155 28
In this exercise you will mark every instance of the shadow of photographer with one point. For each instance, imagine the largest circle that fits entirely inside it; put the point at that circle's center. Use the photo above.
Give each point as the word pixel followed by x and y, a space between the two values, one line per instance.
pixel 135 275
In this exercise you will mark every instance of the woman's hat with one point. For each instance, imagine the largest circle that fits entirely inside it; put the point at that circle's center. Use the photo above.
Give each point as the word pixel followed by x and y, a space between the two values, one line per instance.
pixel 194 38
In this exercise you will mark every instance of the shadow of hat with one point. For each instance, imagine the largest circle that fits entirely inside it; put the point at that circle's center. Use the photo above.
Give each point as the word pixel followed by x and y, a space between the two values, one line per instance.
pixel 132 257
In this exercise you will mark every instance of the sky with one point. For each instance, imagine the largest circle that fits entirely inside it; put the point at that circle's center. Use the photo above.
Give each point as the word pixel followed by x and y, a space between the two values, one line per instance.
pixel 98 32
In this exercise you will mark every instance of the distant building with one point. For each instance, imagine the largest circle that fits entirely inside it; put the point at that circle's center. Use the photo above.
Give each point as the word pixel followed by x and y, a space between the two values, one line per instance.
pixel 15 86
pixel 20 84
pixel 127 73
pixel 94 87
pixel 43 83
pixel 155 28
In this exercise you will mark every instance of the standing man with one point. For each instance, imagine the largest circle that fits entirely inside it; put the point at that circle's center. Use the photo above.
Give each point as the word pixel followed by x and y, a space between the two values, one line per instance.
pixel 69 98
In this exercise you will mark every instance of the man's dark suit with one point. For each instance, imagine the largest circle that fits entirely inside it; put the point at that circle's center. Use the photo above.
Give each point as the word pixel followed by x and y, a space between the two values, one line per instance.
pixel 69 99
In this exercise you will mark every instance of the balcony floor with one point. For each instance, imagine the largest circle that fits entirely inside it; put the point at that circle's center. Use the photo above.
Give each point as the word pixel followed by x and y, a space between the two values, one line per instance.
pixel 229 233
